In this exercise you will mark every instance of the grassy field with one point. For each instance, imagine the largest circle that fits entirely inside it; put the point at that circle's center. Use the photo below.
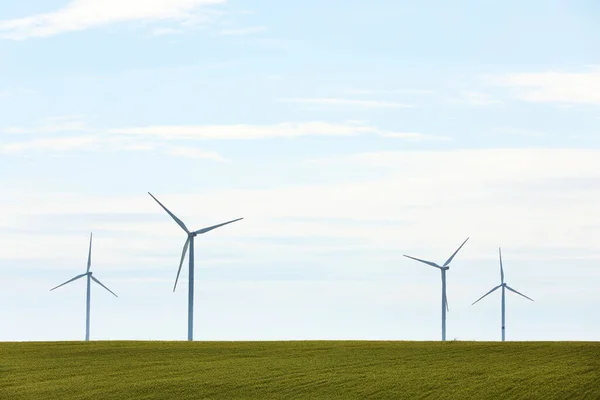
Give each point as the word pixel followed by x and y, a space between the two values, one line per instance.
pixel 303 370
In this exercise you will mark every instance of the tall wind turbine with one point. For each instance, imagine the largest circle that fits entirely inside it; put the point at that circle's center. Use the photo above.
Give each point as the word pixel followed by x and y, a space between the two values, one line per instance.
pixel 504 286
pixel 189 243
pixel 90 277
pixel 443 269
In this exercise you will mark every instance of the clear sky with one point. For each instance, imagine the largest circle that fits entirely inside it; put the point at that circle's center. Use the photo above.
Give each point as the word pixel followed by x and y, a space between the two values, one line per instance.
pixel 346 133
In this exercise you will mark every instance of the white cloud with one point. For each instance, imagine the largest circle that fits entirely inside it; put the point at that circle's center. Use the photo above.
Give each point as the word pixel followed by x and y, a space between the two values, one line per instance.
pixel 165 31
pixel 388 91
pixel 192 152
pixel 80 15
pixel 520 132
pixel 281 130
pixel 67 123
pixel 102 143
pixel 243 31
pixel 475 99
pixel 330 101
pixel 553 87
pixel 51 144
pixel 516 198
pixel 357 121
pixel 152 138
pixel 490 164
pixel 414 136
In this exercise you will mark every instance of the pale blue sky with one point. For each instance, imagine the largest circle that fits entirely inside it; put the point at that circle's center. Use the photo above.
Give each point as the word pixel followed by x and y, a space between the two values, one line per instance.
pixel 346 133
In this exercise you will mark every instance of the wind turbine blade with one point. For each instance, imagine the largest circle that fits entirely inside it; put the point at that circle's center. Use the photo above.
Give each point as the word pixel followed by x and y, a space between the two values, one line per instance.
pixel 501 268
pixel 452 256
pixel 210 228
pixel 499 286
pixel 423 261
pixel 513 290
pixel 89 255
pixel 185 248
pixel 100 283
pixel 70 280
pixel 179 222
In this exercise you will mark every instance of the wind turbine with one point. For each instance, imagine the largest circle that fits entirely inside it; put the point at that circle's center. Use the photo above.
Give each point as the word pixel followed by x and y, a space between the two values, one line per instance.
pixel 89 276
pixel 443 269
pixel 189 242
pixel 504 286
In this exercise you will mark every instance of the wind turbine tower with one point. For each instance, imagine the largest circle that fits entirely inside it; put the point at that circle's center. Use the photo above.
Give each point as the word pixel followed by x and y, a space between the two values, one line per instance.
pixel 189 243
pixel 90 277
pixel 504 286
pixel 443 269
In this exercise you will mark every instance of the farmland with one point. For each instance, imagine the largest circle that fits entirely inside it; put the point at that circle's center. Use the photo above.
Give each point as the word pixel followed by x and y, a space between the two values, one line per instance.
pixel 314 369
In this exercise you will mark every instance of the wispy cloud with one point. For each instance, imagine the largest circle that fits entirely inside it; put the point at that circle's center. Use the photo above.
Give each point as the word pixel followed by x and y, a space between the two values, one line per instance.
pixel 243 31
pixel 59 135
pixel 166 31
pixel 416 137
pixel 510 165
pixel 519 132
pixel 388 91
pixel 332 101
pixel 517 196
pixel 72 134
pixel 103 143
pixel 121 136
pixel 192 152
pixel 80 15
pixel 50 144
pixel 65 123
pixel 474 98
pixel 553 87
pixel 281 130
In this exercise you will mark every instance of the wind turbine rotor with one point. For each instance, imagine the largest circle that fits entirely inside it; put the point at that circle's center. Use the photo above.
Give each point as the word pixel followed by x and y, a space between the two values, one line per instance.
pixel 189 244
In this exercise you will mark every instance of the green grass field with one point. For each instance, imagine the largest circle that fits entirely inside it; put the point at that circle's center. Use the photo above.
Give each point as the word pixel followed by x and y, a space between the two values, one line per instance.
pixel 303 370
